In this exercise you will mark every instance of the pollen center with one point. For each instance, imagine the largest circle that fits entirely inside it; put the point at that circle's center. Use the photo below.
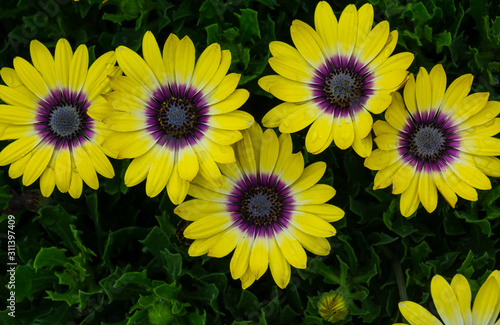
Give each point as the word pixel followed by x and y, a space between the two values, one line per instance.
pixel 177 117
pixel 342 87
pixel 65 121
pixel 261 206
pixel 428 142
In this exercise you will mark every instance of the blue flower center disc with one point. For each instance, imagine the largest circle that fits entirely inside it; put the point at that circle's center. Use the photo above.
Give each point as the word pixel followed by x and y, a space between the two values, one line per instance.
pixel 261 206
pixel 177 117
pixel 428 142
pixel 342 87
pixel 65 121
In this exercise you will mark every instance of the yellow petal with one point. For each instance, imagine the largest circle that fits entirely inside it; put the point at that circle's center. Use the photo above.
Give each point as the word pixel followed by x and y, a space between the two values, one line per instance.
pixel 446 301
pixel 445 190
pixel 195 209
pixel 461 288
pixel 205 68
pixel 152 56
pixel 488 295
pixel 208 226
pixel 438 84
pixel 63 170
pixel 225 88
pixel 291 248
pixel 316 245
pixel 326 26
pixel 347 31
pixel 38 163
pixel 410 198
pixel 427 192
pixel 62 61
pixel 327 212
pixel 177 188
pixel 31 77
pixel 85 167
pixel 43 62
pixel 318 135
pixel 310 176
pixel 236 120
pixel 160 171
pixel 232 102
pixel 268 152
pixel 47 182
pixel 423 91
pixel 78 68
pixel 417 315
pixel 241 257
pixel 301 116
pixel 280 268
pixel 225 243
pixel 259 257
pixel 456 92
pixel 343 132
pixel 188 163
pixel 308 42
pixel 184 61
pixel 317 194
pixel 76 187
pixel 380 159
pixel 135 67
pixel 312 225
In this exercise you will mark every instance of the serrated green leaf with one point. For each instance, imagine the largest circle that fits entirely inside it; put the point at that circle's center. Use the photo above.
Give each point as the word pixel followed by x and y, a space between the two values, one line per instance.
pixel 30 283
pixel 249 25
pixel 50 257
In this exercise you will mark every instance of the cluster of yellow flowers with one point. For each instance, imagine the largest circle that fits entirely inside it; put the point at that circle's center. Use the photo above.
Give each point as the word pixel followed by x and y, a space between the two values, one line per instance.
pixel 178 119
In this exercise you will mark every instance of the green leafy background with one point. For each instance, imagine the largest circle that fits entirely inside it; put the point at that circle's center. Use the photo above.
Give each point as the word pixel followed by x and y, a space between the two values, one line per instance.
pixel 115 256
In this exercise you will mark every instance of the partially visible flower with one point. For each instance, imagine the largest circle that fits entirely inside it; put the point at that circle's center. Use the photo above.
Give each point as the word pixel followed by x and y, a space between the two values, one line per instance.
pixel 332 307
pixel 268 209
pixel 338 75
pixel 174 117
pixel 453 303
pixel 437 139
pixel 46 110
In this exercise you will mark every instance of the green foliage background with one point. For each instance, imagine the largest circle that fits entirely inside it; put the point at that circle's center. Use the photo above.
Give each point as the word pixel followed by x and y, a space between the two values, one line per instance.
pixel 113 257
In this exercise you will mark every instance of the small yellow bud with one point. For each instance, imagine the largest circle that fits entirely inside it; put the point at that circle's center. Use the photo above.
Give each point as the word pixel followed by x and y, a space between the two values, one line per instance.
pixel 332 307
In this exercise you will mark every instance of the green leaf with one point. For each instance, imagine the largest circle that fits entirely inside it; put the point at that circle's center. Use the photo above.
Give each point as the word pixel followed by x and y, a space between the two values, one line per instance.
pixel 134 279
pixel 249 25
pixel 442 39
pixel 161 313
pixel 30 283
pixel 50 257
pixel 167 291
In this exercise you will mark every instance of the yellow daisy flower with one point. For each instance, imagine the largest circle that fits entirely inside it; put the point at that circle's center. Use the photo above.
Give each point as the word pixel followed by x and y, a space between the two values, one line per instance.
pixel 337 75
pixel 268 208
pixel 175 117
pixel 46 110
pixel 453 303
pixel 437 139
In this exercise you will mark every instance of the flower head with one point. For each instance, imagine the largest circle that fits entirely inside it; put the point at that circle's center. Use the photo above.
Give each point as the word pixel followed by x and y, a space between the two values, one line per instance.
pixel 453 303
pixel 332 307
pixel 338 75
pixel 46 110
pixel 268 208
pixel 174 117
pixel 437 139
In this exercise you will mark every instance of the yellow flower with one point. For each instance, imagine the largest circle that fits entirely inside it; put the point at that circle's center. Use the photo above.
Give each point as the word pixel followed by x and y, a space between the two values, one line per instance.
pixel 175 117
pixel 338 75
pixel 267 209
pixel 453 303
pixel 437 139
pixel 46 110
pixel 332 307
